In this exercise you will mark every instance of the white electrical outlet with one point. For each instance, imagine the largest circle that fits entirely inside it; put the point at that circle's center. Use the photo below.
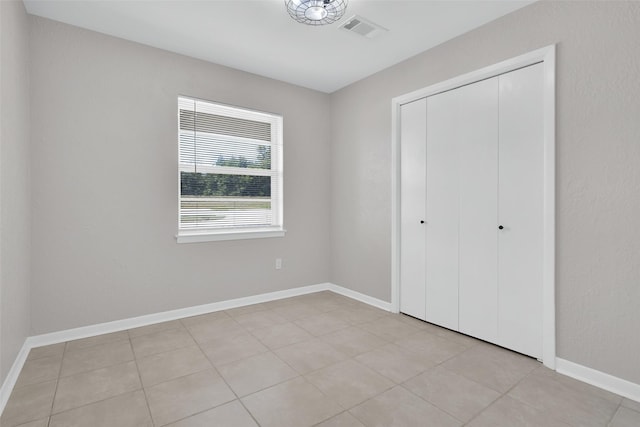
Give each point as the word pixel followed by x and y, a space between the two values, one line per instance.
pixel 278 263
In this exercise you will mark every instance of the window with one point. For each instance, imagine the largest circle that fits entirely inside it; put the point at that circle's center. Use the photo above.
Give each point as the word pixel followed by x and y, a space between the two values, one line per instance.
pixel 230 172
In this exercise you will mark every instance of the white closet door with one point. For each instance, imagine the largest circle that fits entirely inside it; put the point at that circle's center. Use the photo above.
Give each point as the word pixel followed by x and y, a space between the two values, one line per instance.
pixel 413 147
pixel 477 139
pixel 521 210
pixel 442 210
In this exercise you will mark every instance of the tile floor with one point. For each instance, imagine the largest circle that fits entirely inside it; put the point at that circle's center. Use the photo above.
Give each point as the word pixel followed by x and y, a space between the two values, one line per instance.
pixel 314 360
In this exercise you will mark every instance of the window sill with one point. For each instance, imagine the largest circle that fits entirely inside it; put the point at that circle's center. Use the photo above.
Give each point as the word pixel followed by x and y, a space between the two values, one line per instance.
pixel 214 236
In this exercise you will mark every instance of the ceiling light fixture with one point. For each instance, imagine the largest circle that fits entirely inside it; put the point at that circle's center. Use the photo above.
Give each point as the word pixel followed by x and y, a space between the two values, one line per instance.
pixel 316 12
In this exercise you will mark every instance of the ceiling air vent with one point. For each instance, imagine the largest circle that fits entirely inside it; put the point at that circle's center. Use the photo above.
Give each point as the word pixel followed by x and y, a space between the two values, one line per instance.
pixel 363 27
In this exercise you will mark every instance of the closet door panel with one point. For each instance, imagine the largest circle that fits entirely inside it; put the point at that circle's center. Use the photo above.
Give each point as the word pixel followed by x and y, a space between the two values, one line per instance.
pixel 413 147
pixel 477 136
pixel 521 210
pixel 442 210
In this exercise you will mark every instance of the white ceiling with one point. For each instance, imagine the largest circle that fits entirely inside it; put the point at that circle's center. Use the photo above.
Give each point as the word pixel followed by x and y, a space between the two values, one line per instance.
pixel 258 36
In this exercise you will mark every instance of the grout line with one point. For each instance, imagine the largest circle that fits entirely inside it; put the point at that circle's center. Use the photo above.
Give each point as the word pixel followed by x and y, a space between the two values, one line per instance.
pixel 100 367
pixel 224 380
pixel 248 411
pixel 98 343
pixel 434 405
pixel 55 393
pixel 51 414
pixel 506 393
pixel 331 417
pixel 144 391
pixel 95 402
pixel 614 414
pixel 502 395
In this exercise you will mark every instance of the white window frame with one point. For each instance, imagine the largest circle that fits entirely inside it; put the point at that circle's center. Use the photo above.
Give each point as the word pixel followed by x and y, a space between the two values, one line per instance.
pixel 277 204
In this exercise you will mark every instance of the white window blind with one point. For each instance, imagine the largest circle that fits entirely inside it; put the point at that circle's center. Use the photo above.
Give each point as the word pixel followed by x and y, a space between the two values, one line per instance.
pixel 230 170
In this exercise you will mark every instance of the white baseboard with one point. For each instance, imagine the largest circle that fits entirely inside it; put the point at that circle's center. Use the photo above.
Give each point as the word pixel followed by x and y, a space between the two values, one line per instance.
pixel 360 297
pixel 165 316
pixel 599 379
pixel 135 322
pixel 12 376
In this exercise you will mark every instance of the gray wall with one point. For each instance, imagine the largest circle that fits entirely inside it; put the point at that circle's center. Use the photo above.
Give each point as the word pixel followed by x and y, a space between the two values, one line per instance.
pixel 105 185
pixel 598 168
pixel 14 183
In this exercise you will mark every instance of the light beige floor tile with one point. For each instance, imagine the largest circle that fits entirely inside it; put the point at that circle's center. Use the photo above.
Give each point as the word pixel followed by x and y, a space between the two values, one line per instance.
pixel 431 347
pixel 53 350
pixel 256 373
pixel 473 373
pixel 353 341
pixel 230 414
pixel 247 309
pixel 208 317
pixel 146 345
pixel 28 403
pixel 172 364
pixel 38 423
pixel 271 305
pixel 356 315
pixel 39 370
pixel 389 328
pixel 293 403
pixel 345 299
pixel 321 324
pixel 420 324
pixel 454 394
pixel 399 408
pixel 508 412
pixel 259 319
pixel 203 332
pixel 349 383
pixel 95 357
pixel 344 419
pixel 221 351
pixel 99 339
pixel 360 304
pixel 324 305
pixel 631 404
pixel 334 302
pixel 440 331
pixel 394 362
pixel 492 366
pixel 456 337
pixel 281 335
pixel 560 401
pixel 309 355
pixel 293 311
pixel 578 385
pixel 180 398
pixel 625 417
pixel 88 387
pixel 125 410
pixel 156 327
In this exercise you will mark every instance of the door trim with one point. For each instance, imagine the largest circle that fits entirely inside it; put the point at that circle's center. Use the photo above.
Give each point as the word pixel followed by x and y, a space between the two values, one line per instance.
pixel 546 55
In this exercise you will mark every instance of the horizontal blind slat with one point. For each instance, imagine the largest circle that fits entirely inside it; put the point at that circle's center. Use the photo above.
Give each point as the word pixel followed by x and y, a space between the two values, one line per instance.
pixel 232 126
pixel 230 167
